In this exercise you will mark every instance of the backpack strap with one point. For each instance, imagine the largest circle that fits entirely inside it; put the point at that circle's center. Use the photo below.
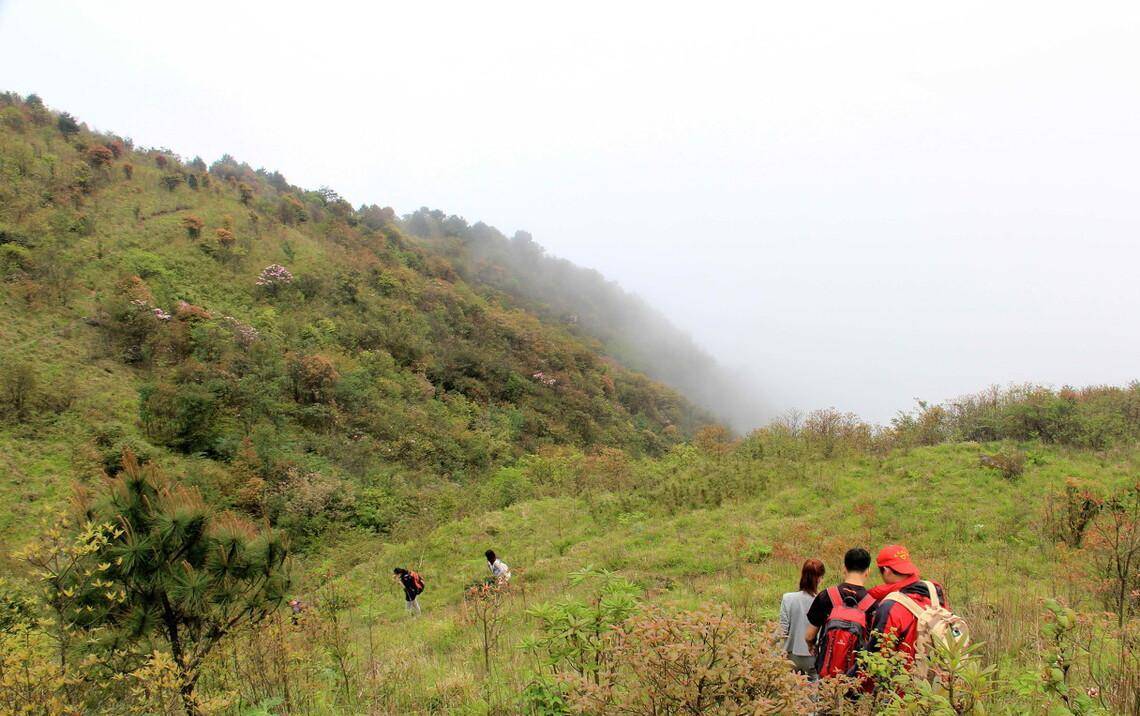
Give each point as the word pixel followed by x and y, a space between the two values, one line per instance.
pixel 933 594
pixel 906 602
pixel 865 603
pixel 835 597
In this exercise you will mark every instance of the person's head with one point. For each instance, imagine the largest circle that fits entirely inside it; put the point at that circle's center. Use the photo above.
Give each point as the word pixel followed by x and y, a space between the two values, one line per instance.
pixel 857 561
pixel 811 575
pixel 399 571
pixel 894 563
pixel 490 554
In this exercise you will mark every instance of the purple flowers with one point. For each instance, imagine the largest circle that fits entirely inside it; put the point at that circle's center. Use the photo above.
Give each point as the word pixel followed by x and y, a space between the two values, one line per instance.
pixel 161 314
pixel 274 276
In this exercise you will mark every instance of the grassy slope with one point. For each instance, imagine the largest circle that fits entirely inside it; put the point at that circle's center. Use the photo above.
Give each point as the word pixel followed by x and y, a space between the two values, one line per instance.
pixel 968 527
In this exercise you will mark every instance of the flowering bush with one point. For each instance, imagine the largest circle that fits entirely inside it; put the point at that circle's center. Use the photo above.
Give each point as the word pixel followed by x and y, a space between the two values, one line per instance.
pixel 273 277
pixel 244 334
pixel 542 378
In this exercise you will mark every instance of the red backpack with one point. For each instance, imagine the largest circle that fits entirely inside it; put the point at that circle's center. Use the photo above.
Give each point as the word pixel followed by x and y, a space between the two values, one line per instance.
pixel 417 582
pixel 844 633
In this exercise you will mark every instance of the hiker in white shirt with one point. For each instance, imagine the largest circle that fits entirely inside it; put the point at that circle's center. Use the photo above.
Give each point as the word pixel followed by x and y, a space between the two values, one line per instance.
pixel 500 572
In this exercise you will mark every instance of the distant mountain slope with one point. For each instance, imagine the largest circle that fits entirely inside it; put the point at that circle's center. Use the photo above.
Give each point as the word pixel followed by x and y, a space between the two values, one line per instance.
pixel 584 300
pixel 271 342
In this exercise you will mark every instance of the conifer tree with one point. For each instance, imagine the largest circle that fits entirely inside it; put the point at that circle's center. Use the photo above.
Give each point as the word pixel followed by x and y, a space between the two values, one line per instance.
pixel 181 572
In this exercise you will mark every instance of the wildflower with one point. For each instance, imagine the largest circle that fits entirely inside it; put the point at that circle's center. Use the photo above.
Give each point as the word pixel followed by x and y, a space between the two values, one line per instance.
pixel 161 314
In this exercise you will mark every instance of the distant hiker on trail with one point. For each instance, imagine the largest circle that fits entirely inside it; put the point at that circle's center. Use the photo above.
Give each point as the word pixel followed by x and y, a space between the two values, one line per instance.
pixel 793 616
pixel 913 609
pixel 413 586
pixel 838 618
pixel 500 572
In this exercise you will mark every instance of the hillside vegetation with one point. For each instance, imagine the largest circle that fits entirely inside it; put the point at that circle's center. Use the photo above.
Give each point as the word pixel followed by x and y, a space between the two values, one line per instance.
pixel 222 392
pixel 291 356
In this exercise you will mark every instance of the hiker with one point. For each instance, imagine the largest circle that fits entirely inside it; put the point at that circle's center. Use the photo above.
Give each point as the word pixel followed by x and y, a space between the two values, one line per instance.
pixel 500 572
pixel 838 617
pixel 793 617
pixel 298 608
pixel 413 586
pixel 913 609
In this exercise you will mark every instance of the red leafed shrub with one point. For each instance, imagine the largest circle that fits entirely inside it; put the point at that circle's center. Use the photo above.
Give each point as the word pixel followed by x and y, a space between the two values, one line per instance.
pixel 99 156
pixel 1070 511
pixel 193 226
pixel 225 238
pixel 117 148
pixel 161 161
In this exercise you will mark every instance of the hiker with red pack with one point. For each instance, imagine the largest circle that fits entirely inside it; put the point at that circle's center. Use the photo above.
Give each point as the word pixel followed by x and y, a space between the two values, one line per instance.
pixel 838 619
pixel 413 585
pixel 912 609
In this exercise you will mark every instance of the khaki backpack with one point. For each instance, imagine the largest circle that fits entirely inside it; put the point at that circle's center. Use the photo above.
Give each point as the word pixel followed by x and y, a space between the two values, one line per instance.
pixel 937 626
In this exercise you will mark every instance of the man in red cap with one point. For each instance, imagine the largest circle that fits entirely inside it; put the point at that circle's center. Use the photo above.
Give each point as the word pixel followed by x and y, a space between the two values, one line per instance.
pixel 899 575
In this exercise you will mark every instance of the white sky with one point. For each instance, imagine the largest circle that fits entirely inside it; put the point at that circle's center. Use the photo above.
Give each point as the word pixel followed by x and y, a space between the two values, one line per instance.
pixel 858 203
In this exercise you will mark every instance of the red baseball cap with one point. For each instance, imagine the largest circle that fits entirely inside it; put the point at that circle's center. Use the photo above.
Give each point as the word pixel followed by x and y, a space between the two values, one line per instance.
pixel 897 558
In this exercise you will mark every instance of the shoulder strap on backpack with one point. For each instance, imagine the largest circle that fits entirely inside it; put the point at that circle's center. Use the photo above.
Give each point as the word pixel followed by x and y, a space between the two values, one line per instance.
pixel 934 603
pixel 835 597
pixel 865 603
pixel 906 602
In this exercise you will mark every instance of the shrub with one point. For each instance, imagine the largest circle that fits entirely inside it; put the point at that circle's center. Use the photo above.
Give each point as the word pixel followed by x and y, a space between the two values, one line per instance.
pixel 245 191
pixel 1114 543
pixel 172 180
pixel 17 389
pixel 292 211
pixel 573 634
pixel 193 226
pixel 306 502
pixel 313 378
pixel 274 277
pixel 12 118
pixel 1070 511
pixel 483 606
pixel 182 416
pixel 225 239
pixel 692 662
pixel 128 171
pixel 1009 461
pixel 68 126
pixel 99 156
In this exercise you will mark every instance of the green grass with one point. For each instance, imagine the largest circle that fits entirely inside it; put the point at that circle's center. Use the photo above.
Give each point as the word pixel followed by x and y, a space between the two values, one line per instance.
pixel 969 528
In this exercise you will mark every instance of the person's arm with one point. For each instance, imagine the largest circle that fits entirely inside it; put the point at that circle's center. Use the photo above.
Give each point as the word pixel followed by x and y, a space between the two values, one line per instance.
pixel 816 617
pixel 785 618
pixel 810 633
